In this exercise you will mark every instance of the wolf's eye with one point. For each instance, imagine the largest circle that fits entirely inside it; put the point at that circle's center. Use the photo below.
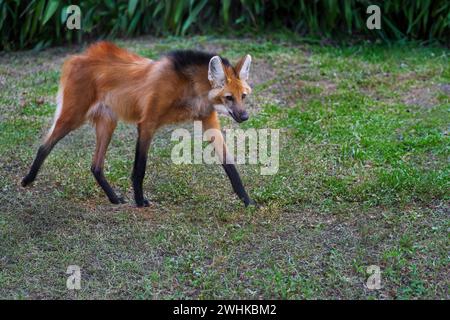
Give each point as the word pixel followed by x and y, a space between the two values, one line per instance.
pixel 243 96
pixel 229 98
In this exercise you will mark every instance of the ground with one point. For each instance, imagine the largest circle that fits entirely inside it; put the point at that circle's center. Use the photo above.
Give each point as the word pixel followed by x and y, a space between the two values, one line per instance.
pixel 363 180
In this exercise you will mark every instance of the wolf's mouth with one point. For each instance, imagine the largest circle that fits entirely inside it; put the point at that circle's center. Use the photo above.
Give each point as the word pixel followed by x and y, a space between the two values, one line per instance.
pixel 238 120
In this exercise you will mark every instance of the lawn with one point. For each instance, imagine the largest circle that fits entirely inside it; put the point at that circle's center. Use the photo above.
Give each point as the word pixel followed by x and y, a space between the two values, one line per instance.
pixel 364 179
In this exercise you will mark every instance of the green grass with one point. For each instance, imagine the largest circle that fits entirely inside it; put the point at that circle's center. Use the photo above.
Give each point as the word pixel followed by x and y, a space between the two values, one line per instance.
pixel 363 179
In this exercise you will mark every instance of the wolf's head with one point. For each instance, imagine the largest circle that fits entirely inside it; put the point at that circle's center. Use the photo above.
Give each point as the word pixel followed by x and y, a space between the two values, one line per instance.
pixel 229 87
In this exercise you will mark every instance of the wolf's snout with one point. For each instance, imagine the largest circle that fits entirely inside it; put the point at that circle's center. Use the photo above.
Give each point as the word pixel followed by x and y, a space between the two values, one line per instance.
pixel 243 116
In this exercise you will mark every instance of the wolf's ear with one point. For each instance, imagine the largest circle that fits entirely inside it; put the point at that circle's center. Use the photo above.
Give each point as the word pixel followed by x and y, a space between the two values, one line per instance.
pixel 243 67
pixel 216 74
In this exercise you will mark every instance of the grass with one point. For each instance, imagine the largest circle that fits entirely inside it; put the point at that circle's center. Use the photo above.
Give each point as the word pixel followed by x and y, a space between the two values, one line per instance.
pixel 363 179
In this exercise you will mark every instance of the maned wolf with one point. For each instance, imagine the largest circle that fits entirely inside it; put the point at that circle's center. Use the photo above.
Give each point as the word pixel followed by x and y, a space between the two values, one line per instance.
pixel 106 84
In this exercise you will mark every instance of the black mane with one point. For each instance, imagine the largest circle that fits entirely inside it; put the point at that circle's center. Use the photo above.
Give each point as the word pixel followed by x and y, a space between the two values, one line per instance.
pixel 183 59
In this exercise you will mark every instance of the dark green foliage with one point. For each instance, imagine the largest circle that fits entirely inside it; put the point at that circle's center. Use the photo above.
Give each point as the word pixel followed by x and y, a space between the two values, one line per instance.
pixel 40 23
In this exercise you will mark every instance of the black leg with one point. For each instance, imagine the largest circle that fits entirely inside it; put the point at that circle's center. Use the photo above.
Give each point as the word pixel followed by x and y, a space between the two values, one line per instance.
pixel 44 150
pixel 236 183
pixel 104 129
pixel 101 180
pixel 42 153
pixel 140 162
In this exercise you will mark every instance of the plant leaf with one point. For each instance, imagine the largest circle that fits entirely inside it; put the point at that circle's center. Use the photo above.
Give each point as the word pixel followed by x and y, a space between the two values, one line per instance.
pixel 52 6
pixel 132 7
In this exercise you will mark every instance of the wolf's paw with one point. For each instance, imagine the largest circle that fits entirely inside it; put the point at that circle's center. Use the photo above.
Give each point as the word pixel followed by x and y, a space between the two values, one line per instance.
pixel 27 180
pixel 250 202
pixel 118 200
pixel 143 203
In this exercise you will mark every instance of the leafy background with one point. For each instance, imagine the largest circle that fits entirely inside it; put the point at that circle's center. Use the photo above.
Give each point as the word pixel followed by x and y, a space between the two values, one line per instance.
pixel 41 23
